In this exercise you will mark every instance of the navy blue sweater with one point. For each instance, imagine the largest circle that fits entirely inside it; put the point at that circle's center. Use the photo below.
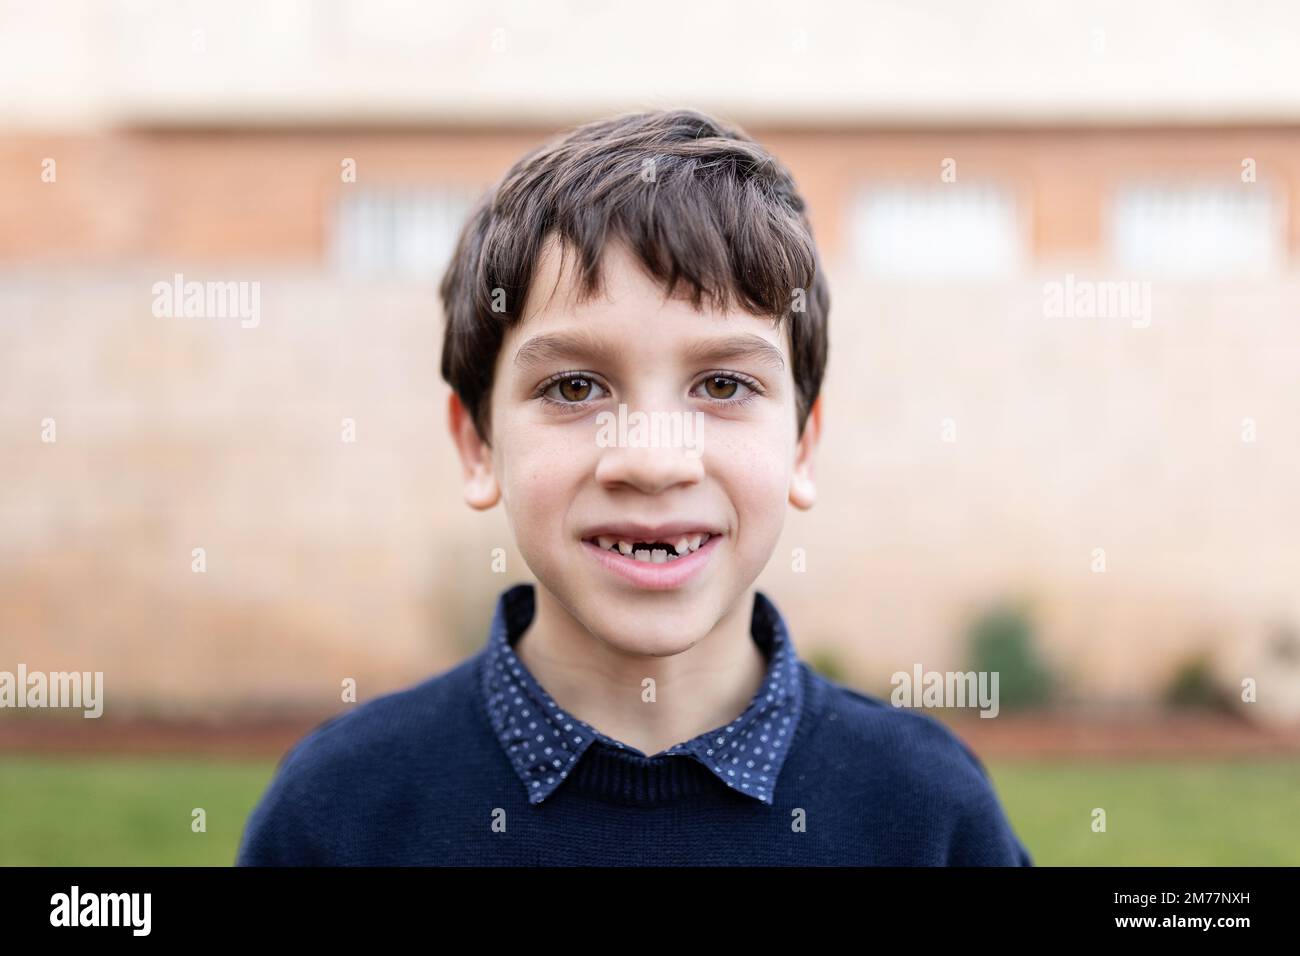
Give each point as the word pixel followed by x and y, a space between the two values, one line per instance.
pixel 421 777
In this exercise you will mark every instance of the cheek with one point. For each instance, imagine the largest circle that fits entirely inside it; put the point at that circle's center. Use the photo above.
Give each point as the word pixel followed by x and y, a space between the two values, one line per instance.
pixel 538 471
pixel 755 469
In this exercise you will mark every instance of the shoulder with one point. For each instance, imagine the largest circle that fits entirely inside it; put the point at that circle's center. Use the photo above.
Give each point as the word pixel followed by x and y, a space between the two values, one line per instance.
pixel 908 760
pixel 355 761
pixel 393 723
pixel 913 745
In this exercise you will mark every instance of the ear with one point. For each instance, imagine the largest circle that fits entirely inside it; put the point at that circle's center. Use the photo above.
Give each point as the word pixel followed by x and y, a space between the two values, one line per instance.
pixel 803 490
pixel 481 489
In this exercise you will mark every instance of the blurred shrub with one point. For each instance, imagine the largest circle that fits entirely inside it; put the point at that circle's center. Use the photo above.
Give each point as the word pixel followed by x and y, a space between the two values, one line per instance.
pixel 1002 639
pixel 827 663
pixel 1194 687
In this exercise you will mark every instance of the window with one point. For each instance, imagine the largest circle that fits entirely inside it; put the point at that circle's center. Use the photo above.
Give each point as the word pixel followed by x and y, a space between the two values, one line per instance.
pixel 1197 230
pixel 939 230
pixel 402 231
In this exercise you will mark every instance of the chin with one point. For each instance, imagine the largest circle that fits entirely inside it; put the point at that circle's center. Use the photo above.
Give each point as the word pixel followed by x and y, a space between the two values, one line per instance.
pixel 666 644
pixel 646 631
pixel 648 623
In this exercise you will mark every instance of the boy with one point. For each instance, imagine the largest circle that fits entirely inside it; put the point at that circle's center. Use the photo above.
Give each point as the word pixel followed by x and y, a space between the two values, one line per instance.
pixel 642 704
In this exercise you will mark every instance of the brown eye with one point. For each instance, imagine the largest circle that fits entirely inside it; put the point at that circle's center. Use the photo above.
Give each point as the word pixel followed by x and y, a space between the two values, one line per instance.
pixel 574 389
pixel 727 386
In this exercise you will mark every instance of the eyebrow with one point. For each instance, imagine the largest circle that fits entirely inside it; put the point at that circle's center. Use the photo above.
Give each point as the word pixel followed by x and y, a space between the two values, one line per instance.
pixel 581 345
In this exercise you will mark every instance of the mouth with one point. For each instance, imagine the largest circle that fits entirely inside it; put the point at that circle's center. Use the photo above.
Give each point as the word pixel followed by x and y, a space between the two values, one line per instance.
pixel 663 551
pixel 654 561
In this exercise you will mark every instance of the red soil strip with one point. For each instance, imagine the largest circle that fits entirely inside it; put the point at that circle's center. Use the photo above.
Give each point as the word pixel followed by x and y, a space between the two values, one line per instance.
pixel 102 736
pixel 1049 735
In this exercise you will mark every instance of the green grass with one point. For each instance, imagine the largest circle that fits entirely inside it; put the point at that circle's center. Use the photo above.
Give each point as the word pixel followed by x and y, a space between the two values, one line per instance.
pixel 1158 813
pixel 124 811
pixel 92 811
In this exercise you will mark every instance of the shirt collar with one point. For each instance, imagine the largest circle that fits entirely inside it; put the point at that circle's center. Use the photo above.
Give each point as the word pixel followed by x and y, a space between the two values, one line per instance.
pixel 543 743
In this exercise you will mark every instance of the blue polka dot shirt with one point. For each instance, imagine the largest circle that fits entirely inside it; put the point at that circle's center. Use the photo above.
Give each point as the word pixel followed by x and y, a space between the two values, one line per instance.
pixel 544 743
pixel 478 765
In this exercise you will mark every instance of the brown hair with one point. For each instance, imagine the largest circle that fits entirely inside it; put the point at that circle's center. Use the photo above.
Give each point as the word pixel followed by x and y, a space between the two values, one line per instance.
pixel 697 201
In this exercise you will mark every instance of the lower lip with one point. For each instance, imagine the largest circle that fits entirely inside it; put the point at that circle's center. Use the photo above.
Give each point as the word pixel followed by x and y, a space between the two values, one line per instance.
pixel 651 576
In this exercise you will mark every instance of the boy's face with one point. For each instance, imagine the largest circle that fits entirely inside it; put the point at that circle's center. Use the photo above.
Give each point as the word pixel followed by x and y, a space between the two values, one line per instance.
pixel 729 468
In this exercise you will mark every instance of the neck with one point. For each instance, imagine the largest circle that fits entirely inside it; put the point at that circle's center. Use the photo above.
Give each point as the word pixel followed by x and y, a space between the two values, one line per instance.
pixel 704 687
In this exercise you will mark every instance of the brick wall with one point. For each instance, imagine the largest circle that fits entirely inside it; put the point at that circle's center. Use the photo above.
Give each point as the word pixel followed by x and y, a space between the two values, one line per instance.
pixel 329 559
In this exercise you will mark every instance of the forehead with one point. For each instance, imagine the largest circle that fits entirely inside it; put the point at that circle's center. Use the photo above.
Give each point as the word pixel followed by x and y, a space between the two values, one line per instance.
pixel 630 310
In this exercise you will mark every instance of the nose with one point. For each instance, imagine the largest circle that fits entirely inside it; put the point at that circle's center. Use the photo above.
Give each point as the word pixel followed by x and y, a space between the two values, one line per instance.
pixel 649 469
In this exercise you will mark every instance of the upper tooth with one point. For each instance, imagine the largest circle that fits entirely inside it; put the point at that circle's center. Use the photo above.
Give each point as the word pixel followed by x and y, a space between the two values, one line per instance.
pixel 684 545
